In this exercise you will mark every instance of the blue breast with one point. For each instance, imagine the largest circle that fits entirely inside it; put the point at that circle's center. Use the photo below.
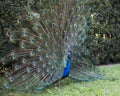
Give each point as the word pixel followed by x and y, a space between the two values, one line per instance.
pixel 67 68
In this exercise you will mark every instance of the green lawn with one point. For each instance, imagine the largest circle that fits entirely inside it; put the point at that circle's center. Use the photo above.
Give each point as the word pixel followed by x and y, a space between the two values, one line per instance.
pixel 71 87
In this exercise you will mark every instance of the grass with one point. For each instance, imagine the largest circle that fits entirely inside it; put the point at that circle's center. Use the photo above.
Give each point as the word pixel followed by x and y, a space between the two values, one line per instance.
pixel 69 87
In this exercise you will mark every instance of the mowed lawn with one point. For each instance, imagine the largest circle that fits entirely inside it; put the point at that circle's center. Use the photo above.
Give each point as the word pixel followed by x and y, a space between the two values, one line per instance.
pixel 70 87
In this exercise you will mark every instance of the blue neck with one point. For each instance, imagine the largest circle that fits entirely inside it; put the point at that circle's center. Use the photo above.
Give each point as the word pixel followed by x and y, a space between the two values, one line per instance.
pixel 67 69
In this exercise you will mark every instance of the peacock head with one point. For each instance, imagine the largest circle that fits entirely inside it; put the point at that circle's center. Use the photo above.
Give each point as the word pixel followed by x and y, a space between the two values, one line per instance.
pixel 69 54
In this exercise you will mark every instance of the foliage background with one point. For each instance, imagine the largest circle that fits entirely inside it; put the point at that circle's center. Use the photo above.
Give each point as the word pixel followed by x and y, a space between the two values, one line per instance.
pixel 103 38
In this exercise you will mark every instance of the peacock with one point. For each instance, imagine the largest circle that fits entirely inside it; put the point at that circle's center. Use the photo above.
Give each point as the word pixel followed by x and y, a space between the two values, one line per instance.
pixel 49 34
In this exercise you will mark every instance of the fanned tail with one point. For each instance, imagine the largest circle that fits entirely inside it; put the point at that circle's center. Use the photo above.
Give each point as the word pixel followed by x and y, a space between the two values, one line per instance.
pixel 45 32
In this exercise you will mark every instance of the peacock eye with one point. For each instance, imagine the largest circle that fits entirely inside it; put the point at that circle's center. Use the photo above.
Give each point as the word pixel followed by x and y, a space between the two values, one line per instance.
pixel 14 56
pixel 28 69
pixel 16 67
pixel 53 24
pixel 43 74
pixel 38 70
pixel 78 17
pixel 53 44
pixel 22 45
pixel 49 35
pixel 75 26
pixel 7 85
pixel 49 63
pixel 25 33
pixel 48 70
pixel 19 20
pixel 44 11
pixel 32 53
pixel 30 15
pixel 24 60
pixel 47 55
pixel 32 41
pixel 46 21
pixel 36 26
pixel 39 49
pixel 9 33
pixel 40 58
pixel 34 63
pixel 61 26
pixel 11 79
pixel 41 36
pixel 41 1
pixel 12 38
pixel 34 75
pixel 44 65
pixel 7 74
pixel 46 44
pixel 24 77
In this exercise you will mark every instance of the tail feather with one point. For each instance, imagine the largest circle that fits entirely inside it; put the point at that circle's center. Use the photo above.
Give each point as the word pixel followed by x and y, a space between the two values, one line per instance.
pixel 45 32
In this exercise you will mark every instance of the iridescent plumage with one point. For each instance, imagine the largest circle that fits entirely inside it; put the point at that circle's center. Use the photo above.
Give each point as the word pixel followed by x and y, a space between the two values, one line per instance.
pixel 46 32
